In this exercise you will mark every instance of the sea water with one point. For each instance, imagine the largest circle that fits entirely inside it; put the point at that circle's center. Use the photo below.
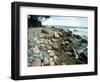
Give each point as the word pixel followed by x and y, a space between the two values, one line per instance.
pixel 82 31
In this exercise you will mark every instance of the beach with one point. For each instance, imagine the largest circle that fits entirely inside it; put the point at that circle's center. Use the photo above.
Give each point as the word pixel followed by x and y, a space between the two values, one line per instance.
pixel 56 46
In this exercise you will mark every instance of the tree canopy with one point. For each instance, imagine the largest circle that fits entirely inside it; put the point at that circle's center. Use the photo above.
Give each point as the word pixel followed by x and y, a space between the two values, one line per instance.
pixel 35 20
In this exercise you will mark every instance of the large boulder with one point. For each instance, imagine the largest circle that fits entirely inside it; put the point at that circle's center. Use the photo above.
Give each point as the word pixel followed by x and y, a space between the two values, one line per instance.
pixel 36 62
pixel 45 31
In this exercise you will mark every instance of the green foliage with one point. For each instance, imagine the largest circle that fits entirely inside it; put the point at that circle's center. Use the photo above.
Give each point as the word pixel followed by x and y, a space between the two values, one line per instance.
pixel 36 20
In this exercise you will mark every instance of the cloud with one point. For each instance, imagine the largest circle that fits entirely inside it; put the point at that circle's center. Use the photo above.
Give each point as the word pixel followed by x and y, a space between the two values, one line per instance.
pixel 67 21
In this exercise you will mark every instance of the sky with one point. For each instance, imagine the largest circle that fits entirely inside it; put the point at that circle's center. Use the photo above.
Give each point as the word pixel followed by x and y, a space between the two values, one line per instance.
pixel 67 21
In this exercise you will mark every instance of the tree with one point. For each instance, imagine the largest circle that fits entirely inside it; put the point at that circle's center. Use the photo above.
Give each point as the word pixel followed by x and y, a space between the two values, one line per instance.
pixel 36 20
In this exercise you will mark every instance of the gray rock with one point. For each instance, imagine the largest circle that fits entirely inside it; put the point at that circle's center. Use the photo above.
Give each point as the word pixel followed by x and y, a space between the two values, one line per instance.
pixel 36 49
pixel 55 57
pixel 51 53
pixel 55 45
pixel 45 31
pixel 51 59
pixel 53 40
pixel 52 63
pixel 56 35
pixel 45 57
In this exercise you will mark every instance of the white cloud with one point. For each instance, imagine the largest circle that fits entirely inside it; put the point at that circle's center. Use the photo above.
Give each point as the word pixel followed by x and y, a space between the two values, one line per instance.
pixel 68 21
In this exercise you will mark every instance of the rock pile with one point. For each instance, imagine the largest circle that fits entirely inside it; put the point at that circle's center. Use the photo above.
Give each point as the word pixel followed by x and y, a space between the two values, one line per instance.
pixel 54 46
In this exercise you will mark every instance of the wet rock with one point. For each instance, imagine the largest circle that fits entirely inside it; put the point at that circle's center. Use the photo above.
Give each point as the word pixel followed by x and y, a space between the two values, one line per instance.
pixel 84 37
pixel 76 30
pixel 77 36
pixel 83 58
pixel 80 47
pixel 61 30
pixel 75 53
pixel 83 41
pixel 68 33
pixel 52 27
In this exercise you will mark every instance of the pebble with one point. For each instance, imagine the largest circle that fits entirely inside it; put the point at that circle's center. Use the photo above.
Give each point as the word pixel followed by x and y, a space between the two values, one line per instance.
pixel 51 59
pixel 67 42
pixel 53 40
pixel 42 64
pixel 52 63
pixel 55 57
pixel 51 54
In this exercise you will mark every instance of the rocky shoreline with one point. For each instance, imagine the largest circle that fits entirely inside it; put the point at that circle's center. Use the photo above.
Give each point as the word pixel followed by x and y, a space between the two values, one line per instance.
pixel 55 46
